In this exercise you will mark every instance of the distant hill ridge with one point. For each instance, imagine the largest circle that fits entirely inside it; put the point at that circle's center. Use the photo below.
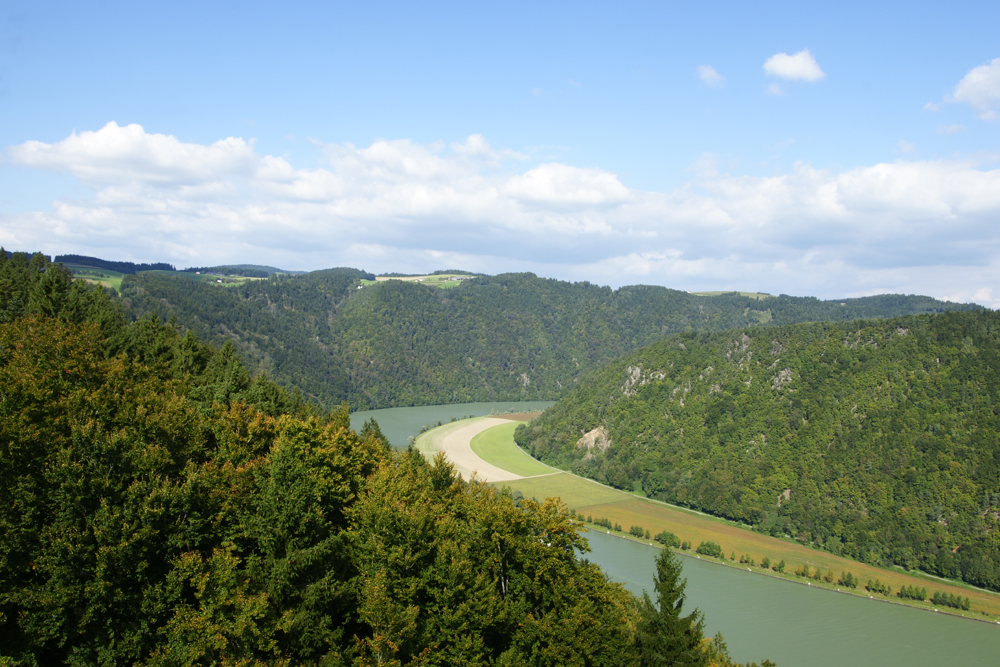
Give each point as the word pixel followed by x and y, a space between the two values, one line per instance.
pixel 129 268
pixel 246 270
pixel 504 337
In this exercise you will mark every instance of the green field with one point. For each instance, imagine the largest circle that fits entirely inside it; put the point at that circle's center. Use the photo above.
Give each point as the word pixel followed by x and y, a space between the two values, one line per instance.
pixel 590 499
pixel 105 277
pixel 494 445
pixel 760 296
pixel 113 279
pixel 441 281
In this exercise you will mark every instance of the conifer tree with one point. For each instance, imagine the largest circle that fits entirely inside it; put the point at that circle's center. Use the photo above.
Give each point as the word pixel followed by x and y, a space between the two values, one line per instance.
pixel 665 637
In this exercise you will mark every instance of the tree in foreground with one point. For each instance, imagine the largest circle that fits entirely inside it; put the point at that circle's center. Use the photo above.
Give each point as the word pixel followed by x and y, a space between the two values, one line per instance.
pixel 665 637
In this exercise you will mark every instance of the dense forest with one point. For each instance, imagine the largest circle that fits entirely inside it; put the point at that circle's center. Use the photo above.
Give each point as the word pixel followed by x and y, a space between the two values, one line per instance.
pixel 874 439
pixel 162 506
pixel 505 337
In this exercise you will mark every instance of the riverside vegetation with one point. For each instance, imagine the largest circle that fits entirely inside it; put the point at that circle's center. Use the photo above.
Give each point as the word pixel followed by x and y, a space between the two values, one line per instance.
pixel 161 506
pixel 874 439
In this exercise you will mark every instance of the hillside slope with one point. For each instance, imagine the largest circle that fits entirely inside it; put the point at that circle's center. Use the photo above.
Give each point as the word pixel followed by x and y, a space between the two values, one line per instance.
pixel 874 439
pixel 505 337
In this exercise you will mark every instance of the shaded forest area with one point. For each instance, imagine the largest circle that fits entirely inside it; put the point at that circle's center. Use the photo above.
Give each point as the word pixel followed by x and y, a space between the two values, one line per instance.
pixel 506 337
pixel 163 507
pixel 877 439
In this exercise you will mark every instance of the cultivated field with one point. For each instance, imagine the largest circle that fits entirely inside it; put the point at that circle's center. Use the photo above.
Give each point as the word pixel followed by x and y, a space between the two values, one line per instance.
pixel 442 281
pixel 91 274
pixel 760 296
pixel 592 500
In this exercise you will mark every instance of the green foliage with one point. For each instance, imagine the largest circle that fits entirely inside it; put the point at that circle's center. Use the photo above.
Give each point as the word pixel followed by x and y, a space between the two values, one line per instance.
pixel 161 506
pixel 637 531
pixel 847 580
pixel 140 528
pixel 505 337
pixel 912 593
pixel 665 637
pixel 710 549
pixel 874 439
pixel 950 600
pixel 780 567
pixel 878 587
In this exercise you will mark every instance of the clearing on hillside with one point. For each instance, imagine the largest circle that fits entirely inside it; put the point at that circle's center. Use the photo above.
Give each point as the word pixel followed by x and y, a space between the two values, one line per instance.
pixel 440 280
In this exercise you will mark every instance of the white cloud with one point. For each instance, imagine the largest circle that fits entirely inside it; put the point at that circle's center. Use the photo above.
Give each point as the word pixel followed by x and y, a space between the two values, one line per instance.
pixel 980 89
pixel 710 77
pixel 912 226
pixel 775 89
pixel 798 67
pixel 904 146
pixel 954 128
pixel 129 154
pixel 930 106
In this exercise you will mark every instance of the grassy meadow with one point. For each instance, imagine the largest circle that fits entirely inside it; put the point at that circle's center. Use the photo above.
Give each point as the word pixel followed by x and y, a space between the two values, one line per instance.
pixel 493 445
pixel 590 499
pixel 105 277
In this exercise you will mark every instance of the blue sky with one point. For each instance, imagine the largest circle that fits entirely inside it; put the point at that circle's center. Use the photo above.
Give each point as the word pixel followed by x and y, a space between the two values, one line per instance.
pixel 837 150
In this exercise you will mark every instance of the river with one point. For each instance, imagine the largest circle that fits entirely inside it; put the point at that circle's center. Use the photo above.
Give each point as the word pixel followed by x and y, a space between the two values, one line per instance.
pixel 398 424
pixel 793 624
pixel 761 617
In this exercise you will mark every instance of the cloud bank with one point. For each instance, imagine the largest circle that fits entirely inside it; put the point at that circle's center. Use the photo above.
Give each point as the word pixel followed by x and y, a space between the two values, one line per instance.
pixel 909 226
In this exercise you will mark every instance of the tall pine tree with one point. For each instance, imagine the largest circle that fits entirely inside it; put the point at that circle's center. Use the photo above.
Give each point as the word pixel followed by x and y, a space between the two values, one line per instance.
pixel 666 637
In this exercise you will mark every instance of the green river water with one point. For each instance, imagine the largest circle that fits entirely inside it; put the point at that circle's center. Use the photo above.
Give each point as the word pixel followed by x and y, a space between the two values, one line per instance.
pixel 762 617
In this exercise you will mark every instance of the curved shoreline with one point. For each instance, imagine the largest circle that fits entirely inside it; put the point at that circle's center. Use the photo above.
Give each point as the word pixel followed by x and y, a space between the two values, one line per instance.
pixel 456 444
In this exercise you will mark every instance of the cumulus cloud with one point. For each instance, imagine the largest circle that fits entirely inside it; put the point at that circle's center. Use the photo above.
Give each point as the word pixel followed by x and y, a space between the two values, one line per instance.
pixel 710 77
pixel 912 226
pixel 130 155
pixel 980 89
pixel 797 67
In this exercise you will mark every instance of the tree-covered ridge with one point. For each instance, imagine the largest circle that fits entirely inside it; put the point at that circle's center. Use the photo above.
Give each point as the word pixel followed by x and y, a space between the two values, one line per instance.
pixel 161 507
pixel 120 267
pixel 506 337
pixel 874 439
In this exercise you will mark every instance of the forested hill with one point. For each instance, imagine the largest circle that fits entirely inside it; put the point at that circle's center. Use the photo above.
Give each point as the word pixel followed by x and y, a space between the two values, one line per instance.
pixel 874 439
pixel 160 508
pixel 505 337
